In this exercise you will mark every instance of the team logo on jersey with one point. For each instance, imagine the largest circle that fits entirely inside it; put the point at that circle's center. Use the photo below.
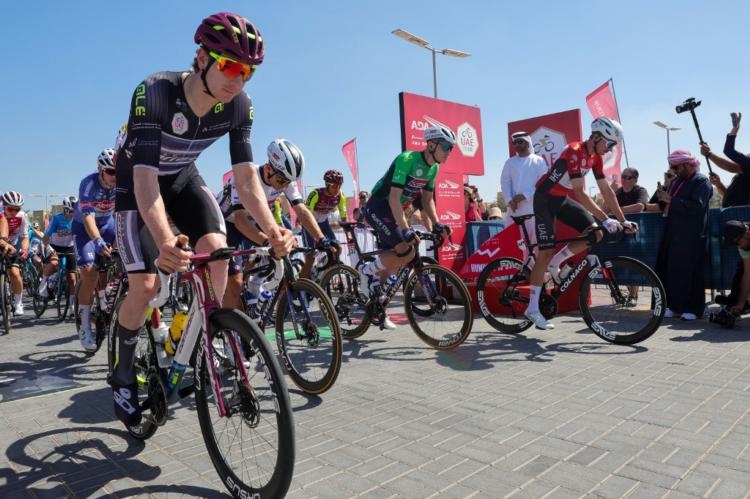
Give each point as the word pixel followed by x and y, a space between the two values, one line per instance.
pixel 179 123
pixel 419 172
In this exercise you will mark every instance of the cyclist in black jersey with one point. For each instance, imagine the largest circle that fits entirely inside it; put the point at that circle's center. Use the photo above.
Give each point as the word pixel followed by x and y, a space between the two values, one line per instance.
pixel 174 116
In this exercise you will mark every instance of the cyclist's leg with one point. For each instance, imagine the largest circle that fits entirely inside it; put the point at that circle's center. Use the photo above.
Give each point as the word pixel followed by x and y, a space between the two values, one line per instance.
pixel 51 262
pixel 380 218
pixel 309 242
pixel 16 284
pixel 545 208
pixel 575 215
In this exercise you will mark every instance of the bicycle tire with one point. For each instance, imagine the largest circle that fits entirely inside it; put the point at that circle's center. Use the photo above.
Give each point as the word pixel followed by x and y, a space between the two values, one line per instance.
pixel 258 430
pixel 5 302
pixel 605 309
pixel 341 283
pixel 63 298
pixel 502 305
pixel 311 350
pixel 426 260
pixel 147 427
pixel 39 303
pixel 434 306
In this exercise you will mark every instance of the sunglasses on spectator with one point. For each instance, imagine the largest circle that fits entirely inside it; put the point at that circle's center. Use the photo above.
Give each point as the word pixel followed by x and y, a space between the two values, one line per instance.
pixel 231 68
pixel 627 177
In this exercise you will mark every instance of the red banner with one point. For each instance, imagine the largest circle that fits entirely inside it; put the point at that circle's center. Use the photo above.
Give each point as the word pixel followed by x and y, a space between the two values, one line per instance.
pixel 419 112
pixel 549 133
pixel 449 204
pixel 601 102
pixel 350 155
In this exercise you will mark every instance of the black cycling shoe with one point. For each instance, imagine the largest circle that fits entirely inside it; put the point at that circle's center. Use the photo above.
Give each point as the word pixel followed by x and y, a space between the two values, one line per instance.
pixel 721 300
pixel 126 405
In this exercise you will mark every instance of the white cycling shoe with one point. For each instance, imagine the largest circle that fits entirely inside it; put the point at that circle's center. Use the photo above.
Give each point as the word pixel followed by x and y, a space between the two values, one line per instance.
pixel 388 324
pixel 539 321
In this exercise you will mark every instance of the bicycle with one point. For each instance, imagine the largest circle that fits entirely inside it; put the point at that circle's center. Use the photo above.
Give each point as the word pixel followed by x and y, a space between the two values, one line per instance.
pixel 111 283
pixel 604 296
pixel 307 333
pixel 433 296
pixel 6 296
pixel 31 276
pixel 243 408
pixel 59 292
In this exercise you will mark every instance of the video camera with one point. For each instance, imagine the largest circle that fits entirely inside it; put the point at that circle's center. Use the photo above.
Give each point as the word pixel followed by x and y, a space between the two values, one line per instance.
pixel 688 105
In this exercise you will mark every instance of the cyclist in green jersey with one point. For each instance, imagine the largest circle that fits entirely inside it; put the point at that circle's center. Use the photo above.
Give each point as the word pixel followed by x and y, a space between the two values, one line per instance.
pixel 411 174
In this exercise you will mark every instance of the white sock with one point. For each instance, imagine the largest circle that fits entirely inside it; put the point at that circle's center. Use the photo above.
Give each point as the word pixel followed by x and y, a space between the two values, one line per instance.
pixel 560 257
pixel 17 299
pixel 373 268
pixel 85 314
pixel 534 293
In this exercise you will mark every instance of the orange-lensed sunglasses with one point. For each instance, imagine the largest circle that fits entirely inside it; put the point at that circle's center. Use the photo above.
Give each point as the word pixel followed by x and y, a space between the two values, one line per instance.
pixel 231 68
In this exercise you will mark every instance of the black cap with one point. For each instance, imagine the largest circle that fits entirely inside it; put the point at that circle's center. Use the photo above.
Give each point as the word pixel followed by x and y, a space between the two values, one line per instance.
pixel 733 231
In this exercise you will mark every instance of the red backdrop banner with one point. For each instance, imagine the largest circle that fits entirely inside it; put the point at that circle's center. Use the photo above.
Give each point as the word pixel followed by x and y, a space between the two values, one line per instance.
pixel 601 102
pixel 550 133
pixel 419 112
pixel 350 155
pixel 449 203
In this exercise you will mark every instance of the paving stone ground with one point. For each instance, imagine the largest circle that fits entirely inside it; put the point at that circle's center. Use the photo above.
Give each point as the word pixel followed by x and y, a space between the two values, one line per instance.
pixel 541 414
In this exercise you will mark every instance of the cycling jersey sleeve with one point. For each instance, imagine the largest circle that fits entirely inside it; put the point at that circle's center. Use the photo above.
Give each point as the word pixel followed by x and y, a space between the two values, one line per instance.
pixel 342 207
pixel 85 206
pixel 292 194
pixel 147 109
pixel 401 170
pixel 598 168
pixel 240 150
pixel 52 227
pixel 312 199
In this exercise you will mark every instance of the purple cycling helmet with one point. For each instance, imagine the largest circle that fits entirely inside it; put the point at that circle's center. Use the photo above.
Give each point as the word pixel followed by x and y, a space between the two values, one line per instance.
pixel 231 35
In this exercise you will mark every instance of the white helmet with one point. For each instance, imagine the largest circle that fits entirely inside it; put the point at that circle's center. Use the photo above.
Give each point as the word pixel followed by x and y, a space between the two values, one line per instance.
pixel 106 159
pixel 286 158
pixel 609 128
pixel 69 203
pixel 12 198
pixel 440 133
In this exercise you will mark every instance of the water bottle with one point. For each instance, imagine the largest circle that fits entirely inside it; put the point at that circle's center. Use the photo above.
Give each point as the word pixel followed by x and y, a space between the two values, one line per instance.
pixel 179 320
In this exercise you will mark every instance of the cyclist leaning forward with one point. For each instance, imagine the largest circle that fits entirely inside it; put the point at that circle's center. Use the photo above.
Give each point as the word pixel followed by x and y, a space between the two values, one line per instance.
pixel 18 247
pixel 552 200
pixel 322 202
pixel 59 237
pixel 174 116
pixel 411 174
pixel 278 176
pixel 94 234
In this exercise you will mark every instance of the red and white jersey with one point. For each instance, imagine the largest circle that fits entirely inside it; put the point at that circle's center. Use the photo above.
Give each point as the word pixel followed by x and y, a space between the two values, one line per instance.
pixel 18 228
pixel 574 162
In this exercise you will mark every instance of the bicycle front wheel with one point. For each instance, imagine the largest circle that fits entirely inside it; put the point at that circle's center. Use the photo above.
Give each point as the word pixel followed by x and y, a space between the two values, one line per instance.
pixel 438 307
pixel 622 301
pixel 63 299
pixel 341 284
pixel 502 295
pixel 5 302
pixel 249 431
pixel 308 336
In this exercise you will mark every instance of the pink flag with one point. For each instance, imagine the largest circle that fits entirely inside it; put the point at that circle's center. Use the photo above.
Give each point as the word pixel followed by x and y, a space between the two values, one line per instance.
pixel 350 155
pixel 601 102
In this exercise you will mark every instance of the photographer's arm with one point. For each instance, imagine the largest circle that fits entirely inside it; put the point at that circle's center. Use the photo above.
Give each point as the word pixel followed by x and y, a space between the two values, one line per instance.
pixel 741 161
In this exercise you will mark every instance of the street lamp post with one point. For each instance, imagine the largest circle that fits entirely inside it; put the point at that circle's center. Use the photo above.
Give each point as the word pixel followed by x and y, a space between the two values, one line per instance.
pixel 46 199
pixel 416 40
pixel 668 129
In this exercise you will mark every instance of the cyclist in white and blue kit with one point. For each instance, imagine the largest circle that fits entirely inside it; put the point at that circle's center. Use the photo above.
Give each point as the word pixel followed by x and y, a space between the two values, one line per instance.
pixel 59 237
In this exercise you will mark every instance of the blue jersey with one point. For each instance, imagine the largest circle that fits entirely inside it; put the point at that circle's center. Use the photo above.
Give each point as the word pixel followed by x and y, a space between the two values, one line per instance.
pixel 60 231
pixel 94 199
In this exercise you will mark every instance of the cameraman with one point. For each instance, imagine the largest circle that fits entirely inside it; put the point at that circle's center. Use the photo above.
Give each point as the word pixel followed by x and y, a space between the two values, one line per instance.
pixel 737 234
pixel 738 192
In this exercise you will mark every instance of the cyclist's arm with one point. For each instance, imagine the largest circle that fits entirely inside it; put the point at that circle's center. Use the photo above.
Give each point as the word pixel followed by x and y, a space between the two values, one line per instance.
pixel 607 193
pixel 250 192
pixel 428 208
pixel 89 223
pixel 585 200
pixel 307 219
pixel 247 227
pixel 151 205
pixel 394 203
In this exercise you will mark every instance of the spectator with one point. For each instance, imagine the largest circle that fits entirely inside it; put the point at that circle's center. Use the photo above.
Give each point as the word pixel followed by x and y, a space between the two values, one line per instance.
pixel 495 214
pixel 470 206
pixel 680 260
pixel 518 179
pixel 738 192
pixel 654 204
pixel 631 197
pixel 737 234
pixel 717 199
pixel 360 216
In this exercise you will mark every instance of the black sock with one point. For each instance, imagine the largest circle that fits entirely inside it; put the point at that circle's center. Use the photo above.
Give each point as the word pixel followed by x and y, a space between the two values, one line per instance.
pixel 126 340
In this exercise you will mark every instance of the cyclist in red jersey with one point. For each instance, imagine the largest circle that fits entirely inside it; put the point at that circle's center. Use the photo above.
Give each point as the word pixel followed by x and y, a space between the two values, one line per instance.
pixel 552 200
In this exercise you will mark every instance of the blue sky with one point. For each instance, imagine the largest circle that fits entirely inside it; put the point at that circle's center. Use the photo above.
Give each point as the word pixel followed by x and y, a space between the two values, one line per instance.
pixel 333 71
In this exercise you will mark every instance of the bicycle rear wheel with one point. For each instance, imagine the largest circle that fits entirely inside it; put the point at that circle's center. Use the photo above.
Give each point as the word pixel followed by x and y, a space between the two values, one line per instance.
pixel 63 299
pixel 611 311
pixel 6 300
pixel 438 307
pixel 252 446
pixel 308 336
pixel 341 284
pixel 501 302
